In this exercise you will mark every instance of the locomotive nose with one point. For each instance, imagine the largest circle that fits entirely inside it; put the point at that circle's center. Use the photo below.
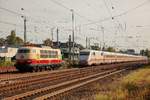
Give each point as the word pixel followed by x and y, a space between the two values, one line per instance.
pixel 21 56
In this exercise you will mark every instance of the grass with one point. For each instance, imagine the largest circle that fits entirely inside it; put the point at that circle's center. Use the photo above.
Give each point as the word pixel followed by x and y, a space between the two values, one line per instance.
pixel 6 63
pixel 135 86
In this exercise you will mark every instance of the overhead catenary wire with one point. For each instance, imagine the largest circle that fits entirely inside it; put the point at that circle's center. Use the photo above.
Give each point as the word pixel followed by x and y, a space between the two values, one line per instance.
pixel 69 9
pixel 126 12
pixel 19 14
pixel 90 5
pixel 8 23
pixel 92 22
pixel 108 9
pixel 118 15
pixel 10 11
pixel 111 15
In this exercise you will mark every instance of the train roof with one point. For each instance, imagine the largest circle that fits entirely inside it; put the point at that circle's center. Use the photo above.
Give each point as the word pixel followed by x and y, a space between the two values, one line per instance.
pixel 32 47
pixel 111 53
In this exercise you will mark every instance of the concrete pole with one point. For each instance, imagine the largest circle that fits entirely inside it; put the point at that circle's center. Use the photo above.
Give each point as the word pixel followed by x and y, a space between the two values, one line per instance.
pixel 73 28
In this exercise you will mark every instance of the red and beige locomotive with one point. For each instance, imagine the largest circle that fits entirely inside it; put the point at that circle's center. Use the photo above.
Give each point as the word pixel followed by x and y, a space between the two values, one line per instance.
pixel 38 58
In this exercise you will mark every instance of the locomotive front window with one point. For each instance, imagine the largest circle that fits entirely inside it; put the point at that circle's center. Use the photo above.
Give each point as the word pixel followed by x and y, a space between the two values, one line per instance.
pixel 84 53
pixel 24 51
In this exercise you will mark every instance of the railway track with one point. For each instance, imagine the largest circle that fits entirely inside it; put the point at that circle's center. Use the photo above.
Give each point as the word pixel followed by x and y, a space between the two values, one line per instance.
pixel 72 85
pixel 10 69
pixel 52 85
pixel 20 87
pixel 25 76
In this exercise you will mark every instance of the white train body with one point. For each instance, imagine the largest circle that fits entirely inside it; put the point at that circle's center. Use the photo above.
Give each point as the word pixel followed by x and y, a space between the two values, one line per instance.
pixel 93 57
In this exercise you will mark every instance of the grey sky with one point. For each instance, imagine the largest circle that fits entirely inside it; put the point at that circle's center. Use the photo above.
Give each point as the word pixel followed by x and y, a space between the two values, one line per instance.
pixel 42 15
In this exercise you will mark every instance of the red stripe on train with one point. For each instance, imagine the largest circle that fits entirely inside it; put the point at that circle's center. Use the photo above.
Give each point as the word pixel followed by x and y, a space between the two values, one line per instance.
pixel 31 61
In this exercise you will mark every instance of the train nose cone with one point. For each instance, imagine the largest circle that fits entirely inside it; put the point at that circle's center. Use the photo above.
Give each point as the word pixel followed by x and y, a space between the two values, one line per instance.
pixel 83 62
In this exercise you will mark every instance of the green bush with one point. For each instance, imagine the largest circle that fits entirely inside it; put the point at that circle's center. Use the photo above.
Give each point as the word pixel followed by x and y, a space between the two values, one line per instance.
pixel 103 97
pixel 130 86
pixel 6 63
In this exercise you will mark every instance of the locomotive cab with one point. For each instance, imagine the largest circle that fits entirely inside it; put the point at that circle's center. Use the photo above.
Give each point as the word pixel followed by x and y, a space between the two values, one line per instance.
pixel 25 58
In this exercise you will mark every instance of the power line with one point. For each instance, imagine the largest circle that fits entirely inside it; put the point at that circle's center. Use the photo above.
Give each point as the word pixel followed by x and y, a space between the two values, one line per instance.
pixel 111 4
pixel 90 6
pixel 130 10
pixel 60 4
pixel 4 22
pixel 107 8
pixel 67 8
pixel 19 14
pixel 10 11
pixel 92 22
pixel 124 13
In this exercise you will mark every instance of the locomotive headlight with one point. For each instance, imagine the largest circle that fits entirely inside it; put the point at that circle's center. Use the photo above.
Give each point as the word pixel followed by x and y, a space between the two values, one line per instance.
pixel 29 61
pixel 21 56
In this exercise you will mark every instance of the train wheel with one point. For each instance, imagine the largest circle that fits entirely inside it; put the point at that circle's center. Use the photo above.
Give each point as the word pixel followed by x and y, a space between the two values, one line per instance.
pixel 36 68
pixel 45 68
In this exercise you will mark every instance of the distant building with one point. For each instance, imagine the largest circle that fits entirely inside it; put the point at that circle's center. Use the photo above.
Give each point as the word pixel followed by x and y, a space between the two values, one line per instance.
pixel 67 49
pixel 130 51
pixel 7 53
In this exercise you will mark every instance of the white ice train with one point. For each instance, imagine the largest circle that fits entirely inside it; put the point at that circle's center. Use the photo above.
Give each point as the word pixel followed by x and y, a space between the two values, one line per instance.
pixel 94 57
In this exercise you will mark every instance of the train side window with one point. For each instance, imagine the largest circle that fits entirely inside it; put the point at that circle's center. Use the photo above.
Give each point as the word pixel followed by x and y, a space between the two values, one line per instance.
pixel 46 54
pixel 41 54
pixel 49 54
pixel 54 54
pixel 33 51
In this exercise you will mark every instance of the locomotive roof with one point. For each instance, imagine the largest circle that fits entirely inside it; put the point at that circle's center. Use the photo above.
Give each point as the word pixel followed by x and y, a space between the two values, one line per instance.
pixel 29 47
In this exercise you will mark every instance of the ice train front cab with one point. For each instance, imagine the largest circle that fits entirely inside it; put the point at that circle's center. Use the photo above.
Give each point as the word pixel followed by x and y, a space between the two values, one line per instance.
pixel 84 57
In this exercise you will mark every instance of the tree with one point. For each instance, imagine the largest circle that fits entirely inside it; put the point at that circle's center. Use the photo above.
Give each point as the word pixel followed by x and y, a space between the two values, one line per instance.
pixel 19 41
pixel 13 40
pixel 145 52
pixel 110 49
pixel 48 42
pixel 142 52
pixel 94 47
pixel 2 41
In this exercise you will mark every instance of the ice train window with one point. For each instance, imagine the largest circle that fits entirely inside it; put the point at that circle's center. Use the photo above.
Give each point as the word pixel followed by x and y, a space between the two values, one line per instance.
pixel 84 53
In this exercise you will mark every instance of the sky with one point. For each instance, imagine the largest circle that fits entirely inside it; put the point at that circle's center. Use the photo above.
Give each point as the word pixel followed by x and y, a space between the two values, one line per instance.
pixel 123 24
